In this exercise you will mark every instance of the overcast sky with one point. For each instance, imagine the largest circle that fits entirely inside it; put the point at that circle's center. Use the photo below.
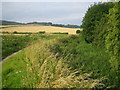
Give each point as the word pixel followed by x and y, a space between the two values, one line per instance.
pixel 55 12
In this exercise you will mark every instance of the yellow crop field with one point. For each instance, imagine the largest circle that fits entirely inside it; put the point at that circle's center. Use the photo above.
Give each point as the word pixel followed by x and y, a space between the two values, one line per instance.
pixel 38 28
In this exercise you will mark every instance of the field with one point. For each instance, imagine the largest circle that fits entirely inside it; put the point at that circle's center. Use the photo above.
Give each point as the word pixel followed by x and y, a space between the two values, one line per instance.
pixel 51 61
pixel 33 68
pixel 47 55
pixel 38 28
pixel 12 43
pixel 54 61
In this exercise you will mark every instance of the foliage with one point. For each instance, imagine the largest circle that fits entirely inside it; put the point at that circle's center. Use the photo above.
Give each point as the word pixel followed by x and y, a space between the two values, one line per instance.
pixel 92 18
pixel 106 32
pixel 67 26
pixel 101 26
pixel 61 58
pixel 12 43
pixel 78 31
pixel 59 33
pixel 85 58
pixel 13 71
pixel 101 33
pixel 32 68
pixel 41 23
pixel 41 32
pixel 15 32
pixel 112 40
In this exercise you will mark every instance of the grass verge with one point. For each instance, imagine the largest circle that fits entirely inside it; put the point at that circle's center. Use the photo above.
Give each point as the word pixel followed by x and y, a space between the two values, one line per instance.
pixel 37 67
pixel 86 58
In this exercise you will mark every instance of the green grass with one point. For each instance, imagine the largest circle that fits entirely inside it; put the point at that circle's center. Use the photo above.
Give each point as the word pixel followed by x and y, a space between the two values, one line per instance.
pixel 86 58
pixel 13 43
pixel 13 71
pixel 52 61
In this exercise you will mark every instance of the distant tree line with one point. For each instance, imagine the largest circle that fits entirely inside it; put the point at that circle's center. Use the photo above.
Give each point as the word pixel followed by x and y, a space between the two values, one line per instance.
pixel 3 22
pixel 41 23
pixel 58 25
pixel 67 26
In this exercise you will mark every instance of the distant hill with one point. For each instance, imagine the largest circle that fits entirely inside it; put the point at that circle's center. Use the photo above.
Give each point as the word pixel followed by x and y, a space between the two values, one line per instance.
pixel 57 25
pixel 41 23
pixel 4 22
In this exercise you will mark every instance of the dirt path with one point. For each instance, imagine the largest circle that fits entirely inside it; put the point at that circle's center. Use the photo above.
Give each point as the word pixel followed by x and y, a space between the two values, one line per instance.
pixel 10 56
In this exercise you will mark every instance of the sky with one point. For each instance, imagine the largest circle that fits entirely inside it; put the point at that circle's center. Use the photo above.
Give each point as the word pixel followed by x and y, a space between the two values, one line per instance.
pixel 56 12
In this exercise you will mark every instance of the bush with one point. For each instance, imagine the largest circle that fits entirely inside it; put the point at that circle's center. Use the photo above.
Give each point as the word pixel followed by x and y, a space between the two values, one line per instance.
pixel 59 33
pixel 41 32
pixel 5 32
pixel 78 31
pixel 101 33
pixel 112 40
pixel 102 28
pixel 92 18
pixel 85 58
pixel 15 32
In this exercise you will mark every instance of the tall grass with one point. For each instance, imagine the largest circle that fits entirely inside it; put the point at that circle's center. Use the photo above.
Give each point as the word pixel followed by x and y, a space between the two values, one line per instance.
pixel 22 70
pixel 37 67
pixel 12 43
pixel 86 58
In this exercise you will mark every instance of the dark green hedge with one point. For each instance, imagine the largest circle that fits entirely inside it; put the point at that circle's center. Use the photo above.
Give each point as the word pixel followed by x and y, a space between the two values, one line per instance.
pixel 92 18
pixel 101 27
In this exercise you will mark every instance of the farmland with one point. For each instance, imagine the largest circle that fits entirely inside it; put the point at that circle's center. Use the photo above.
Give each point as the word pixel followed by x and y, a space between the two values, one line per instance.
pixel 57 57
pixel 13 43
pixel 39 28
pixel 16 37
pixel 54 58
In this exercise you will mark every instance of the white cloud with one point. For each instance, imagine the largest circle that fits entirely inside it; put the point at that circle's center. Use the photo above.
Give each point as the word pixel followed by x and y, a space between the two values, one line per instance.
pixel 0 10
pixel 63 19
pixel 54 0
pixel 66 13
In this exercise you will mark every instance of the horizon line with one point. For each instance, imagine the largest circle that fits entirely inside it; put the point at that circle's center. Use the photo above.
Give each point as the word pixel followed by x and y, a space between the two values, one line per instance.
pixel 37 22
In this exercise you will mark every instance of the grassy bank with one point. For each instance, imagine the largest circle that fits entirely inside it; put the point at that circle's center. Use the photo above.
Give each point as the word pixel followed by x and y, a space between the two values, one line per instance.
pixel 86 58
pixel 38 67
pixel 12 43
pixel 15 70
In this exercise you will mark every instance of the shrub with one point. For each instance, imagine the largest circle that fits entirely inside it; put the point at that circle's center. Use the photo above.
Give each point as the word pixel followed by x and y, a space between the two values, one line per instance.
pixel 92 18
pixel 15 32
pixel 41 32
pixel 59 33
pixel 78 31
pixel 85 57
pixel 112 40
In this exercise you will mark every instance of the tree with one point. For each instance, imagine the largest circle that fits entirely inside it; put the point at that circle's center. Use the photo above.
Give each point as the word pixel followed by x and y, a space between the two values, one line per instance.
pixel 101 33
pixel 112 40
pixel 92 18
